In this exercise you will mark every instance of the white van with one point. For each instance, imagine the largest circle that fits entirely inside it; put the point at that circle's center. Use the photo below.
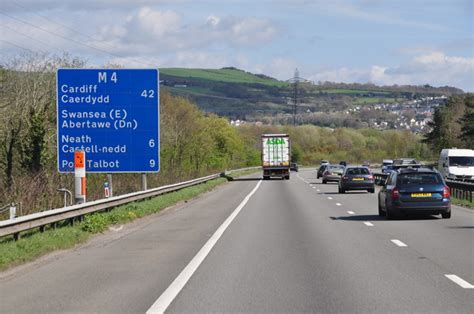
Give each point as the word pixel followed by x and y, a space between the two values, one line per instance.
pixel 456 164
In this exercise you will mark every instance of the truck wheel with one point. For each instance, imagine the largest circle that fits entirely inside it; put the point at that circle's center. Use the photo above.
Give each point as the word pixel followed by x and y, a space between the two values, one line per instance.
pixel 266 177
pixel 371 190
pixel 324 181
pixel 287 177
pixel 341 190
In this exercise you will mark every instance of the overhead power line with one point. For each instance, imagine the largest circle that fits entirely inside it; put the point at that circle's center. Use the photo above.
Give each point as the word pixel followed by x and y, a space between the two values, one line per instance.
pixel 15 45
pixel 72 39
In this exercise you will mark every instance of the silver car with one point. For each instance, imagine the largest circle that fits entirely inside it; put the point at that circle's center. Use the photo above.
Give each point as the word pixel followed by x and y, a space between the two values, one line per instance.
pixel 333 173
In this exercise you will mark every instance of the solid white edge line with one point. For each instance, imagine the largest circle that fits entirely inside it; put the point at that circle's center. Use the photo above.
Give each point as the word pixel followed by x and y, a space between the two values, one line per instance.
pixel 350 212
pixel 165 299
pixel 369 224
pixel 461 282
pixel 399 243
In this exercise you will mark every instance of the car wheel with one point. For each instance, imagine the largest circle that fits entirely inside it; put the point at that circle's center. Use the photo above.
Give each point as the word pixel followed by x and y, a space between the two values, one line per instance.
pixel 266 178
pixel 371 190
pixel 446 215
pixel 341 190
pixel 381 213
pixel 324 181
pixel 389 214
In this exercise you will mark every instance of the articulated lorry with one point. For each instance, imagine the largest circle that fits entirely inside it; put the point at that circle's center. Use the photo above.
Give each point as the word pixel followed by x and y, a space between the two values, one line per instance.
pixel 276 156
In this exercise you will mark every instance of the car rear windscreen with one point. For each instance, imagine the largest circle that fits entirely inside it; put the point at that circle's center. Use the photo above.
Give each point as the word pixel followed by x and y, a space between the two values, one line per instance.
pixel 419 179
pixel 336 168
pixel 357 171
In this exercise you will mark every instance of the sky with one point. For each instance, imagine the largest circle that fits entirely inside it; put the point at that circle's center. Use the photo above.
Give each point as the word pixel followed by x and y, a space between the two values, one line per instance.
pixel 383 42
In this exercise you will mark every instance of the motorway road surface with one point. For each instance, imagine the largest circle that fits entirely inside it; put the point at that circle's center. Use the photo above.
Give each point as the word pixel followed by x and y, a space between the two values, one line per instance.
pixel 294 246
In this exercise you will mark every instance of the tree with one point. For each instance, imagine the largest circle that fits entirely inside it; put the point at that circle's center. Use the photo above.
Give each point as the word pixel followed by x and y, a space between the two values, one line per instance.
pixel 467 122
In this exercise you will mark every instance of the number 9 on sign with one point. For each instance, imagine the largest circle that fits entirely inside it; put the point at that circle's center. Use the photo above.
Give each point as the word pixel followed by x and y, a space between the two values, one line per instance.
pixel 152 163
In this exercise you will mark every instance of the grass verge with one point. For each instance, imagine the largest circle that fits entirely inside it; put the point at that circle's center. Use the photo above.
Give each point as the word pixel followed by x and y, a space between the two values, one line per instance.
pixel 461 202
pixel 34 244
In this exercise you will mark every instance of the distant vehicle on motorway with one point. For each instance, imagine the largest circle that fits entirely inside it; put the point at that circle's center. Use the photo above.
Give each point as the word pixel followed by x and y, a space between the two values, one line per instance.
pixel 414 190
pixel 321 170
pixel 356 178
pixel 456 164
pixel 294 166
pixel 332 173
pixel 323 162
pixel 405 161
pixel 366 164
pixel 387 165
pixel 276 152
pixel 343 163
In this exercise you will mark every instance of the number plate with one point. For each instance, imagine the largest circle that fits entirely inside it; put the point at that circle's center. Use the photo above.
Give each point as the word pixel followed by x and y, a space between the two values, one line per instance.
pixel 357 179
pixel 420 194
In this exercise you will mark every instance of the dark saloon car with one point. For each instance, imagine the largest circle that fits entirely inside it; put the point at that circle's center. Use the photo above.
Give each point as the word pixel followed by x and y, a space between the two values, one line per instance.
pixel 356 178
pixel 332 173
pixel 294 166
pixel 321 170
pixel 414 190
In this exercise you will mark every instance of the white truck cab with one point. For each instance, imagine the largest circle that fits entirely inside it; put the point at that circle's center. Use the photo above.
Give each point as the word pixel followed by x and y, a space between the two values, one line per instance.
pixel 456 164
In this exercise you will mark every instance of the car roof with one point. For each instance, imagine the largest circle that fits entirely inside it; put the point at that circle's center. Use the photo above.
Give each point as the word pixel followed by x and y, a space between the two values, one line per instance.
pixel 417 170
pixel 348 167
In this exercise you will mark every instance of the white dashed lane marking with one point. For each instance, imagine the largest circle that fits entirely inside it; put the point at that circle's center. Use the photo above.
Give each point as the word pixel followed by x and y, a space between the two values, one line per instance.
pixel 350 212
pixel 329 198
pixel 369 224
pixel 398 243
pixel 338 204
pixel 461 282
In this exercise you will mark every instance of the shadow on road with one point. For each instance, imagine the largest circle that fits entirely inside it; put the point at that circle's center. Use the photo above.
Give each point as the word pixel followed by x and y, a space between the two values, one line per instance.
pixel 354 192
pixel 358 218
pixel 229 178
pixel 379 218
pixel 461 227
pixel 244 179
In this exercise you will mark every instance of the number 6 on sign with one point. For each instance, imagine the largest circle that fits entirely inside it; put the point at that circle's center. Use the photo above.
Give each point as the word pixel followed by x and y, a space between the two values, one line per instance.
pixel 151 143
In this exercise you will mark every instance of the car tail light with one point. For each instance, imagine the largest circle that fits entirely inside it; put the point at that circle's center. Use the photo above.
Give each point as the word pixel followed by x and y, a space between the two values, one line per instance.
pixel 395 194
pixel 446 192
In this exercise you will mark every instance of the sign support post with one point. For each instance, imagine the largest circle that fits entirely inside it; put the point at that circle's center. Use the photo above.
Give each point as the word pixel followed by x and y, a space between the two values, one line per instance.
pixel 144 182
pixel 111 185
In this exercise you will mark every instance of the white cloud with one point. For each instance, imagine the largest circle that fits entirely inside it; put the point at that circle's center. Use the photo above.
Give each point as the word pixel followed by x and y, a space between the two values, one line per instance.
pixel 435 68
pixel 151 31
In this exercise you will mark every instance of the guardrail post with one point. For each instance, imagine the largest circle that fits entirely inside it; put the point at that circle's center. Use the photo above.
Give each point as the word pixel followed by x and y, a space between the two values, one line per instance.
pixel 42 228
pixel 16 236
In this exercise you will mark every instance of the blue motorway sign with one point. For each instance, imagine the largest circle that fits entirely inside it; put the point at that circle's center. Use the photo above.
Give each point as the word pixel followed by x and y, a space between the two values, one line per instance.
pixel 112 115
